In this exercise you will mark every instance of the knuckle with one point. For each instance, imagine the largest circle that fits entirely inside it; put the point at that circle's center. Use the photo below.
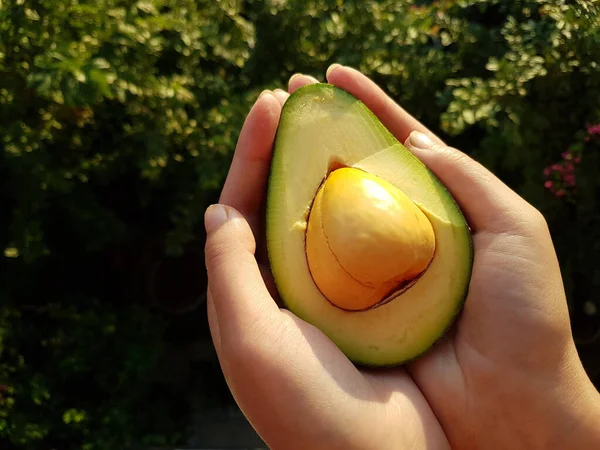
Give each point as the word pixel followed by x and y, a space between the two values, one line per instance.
pixel 261 344
pixel 452 154
pixel 228 244
pixel 216 252
pixel 536 220
pixel 537 217
pixel 453 157
pixel 526 220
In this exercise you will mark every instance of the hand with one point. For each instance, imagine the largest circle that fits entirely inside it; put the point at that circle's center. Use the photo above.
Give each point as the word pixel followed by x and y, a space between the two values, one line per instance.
pixel 296 388
pixel 506 376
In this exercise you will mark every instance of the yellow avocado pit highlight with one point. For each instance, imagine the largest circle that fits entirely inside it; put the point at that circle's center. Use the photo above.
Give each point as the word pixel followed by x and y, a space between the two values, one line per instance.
pixel 365 239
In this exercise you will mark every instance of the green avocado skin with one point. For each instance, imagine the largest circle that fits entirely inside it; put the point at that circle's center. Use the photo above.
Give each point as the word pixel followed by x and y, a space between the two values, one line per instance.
pixel 283 280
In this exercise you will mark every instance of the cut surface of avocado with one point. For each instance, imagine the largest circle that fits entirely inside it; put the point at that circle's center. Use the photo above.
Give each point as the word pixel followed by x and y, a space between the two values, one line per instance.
pixel 323 127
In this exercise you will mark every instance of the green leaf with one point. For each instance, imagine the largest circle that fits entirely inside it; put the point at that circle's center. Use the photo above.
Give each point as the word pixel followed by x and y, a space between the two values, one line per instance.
pixel 73 416
pixel 492 65
pixel 469 116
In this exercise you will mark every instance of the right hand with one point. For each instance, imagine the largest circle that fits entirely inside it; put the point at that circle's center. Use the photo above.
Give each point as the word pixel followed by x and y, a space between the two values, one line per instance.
pixel 508 374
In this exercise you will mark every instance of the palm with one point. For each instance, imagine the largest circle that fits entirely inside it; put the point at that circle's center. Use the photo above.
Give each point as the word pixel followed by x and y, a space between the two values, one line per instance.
pixel 492 353
pixel 489 345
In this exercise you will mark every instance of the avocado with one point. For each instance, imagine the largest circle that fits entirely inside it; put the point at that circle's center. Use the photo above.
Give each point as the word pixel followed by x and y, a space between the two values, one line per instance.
pixel 364 242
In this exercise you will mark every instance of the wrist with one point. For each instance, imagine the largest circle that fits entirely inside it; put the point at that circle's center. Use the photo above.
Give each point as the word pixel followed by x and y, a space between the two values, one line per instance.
pixel 583 429
pixel 560 412
pixel 574 418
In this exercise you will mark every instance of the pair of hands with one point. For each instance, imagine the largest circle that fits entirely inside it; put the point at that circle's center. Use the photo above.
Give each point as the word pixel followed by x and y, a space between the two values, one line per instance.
pixel 507 375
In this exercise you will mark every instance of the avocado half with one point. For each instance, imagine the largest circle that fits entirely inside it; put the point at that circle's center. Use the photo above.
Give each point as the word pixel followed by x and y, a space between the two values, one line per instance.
pixel 323 127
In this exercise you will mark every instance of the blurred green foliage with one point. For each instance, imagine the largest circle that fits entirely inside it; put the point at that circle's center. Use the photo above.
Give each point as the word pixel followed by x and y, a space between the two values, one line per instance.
pixel 117 123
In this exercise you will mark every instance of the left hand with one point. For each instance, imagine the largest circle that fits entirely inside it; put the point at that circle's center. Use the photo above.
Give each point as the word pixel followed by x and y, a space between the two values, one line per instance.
pixel 296 388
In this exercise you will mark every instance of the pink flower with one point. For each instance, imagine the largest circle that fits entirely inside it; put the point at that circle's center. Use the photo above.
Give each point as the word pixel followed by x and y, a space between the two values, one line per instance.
pixel 548 184
pixel 556 167
pixel 593 129
pixel 569 167
pixel 566 155
pixel 547 171
pixel 569 180
pixel 560 193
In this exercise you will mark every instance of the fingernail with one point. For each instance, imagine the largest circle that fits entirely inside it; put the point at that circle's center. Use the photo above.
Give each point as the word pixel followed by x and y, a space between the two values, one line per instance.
pixel 265 92
pixel 332 68
pixel 296 75
pixel 419 140
pixel 214 217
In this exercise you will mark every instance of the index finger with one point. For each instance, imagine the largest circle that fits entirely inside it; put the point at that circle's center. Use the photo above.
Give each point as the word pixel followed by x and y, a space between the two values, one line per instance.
pixel 246 181
pixel 395 118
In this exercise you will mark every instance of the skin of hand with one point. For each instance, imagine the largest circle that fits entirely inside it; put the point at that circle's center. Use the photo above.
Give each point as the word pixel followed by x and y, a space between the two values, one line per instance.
pixel 507 375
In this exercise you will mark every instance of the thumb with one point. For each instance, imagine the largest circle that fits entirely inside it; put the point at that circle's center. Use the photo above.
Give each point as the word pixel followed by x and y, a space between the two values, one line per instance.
pixel 241 299
pixel 488 203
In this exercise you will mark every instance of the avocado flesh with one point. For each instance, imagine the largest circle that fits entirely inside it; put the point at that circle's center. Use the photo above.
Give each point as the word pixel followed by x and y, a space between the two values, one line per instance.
pixel 321 126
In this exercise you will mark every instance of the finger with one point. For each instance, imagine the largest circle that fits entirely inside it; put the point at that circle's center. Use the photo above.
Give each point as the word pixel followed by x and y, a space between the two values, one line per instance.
pixel 488 203
pixel 397 120
pixel 281 95
pixel 213 322
pixel 242 301
pixel 246 181
pixel 270 283
pixel 299 80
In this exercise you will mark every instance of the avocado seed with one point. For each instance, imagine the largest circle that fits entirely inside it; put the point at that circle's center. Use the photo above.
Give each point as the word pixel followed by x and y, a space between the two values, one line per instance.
pixel 365 239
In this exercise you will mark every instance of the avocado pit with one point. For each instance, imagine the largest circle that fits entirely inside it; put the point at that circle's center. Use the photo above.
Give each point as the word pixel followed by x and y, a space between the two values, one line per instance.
pixel 366 240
